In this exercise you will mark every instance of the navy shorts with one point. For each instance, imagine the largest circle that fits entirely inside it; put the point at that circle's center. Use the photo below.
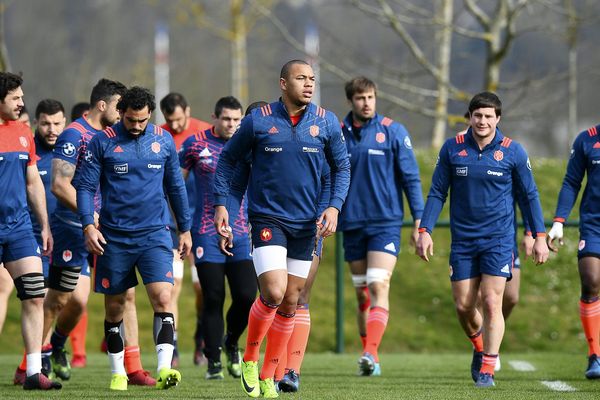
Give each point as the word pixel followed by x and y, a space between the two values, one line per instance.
pixel 490 256
pixel 69 245
pixel 18 243
pixel 206 249
pixel 357 242
pixel 174 237
pixel 150 251
pixel 300 243
pixel 588 247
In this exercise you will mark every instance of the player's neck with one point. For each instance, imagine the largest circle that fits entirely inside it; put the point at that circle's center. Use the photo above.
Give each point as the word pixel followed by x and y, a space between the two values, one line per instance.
pixel 292 108
pixel 483 141
pixel 94 119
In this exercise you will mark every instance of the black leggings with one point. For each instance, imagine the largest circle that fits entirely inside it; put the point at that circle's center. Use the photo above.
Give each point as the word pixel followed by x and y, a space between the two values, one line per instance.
pixel 242 285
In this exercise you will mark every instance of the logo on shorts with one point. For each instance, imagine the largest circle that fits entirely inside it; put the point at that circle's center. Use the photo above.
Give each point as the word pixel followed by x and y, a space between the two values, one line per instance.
pixel 156 147
pixel 314 130
pixel 390 247
pixel 380 137
pixel 37 250
pixel 67 255
pixel 451 271
pixel 581 245
pixel 266 234
pixel 169 274
pixel 199 252
pixel 505 269
pixel 105 283
pixel 23 141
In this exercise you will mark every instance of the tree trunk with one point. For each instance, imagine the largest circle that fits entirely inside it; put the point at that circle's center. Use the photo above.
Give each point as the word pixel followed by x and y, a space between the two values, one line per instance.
pixel 239 56
pixel 444 54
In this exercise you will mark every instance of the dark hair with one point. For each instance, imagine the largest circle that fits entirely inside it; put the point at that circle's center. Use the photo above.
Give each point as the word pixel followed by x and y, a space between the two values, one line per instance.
pixel 8 83
pixel 79 109
pixel 105 89
pixel 486 100
pixel 285 70
pixel 254 105
pixel 48 107
pixel 229 102
pixel 136 98
pixel 360 84
pixel 170 102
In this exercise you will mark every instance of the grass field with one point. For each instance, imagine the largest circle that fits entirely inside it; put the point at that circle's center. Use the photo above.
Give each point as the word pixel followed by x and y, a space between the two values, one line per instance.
pixel 331 376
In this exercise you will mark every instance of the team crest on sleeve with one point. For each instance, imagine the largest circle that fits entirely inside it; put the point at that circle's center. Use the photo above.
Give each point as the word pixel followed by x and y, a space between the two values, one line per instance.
pixel 155 147
pixel 67 255
pixel 68 149
pixel 23 141
pixel 314 130
pixel 380 137
pixel 407 143
pixel 266 234
pixel 499 155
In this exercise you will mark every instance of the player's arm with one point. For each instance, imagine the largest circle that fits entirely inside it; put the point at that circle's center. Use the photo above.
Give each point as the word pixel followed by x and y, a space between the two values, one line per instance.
pixel 187 158
pixel 62 176
pixel 528 241
pixel 36 197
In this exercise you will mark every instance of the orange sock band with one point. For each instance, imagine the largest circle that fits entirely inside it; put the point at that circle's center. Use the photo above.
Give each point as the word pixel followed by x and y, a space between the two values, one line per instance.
pixel 296 347
pixel 259 321
pixel 23 364
pixel 277 340
pixel 488 364
pixel 78 335
pixel 590 319
pixel 376 324
pixel 477 340
pixel 133 360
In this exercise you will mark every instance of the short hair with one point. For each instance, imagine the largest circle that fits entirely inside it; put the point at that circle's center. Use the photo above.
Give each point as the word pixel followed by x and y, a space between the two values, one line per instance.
pixel 8 83
pixel 486 100
pixel 170 102
pixel 105 89
pixel 360 84
pixel 285 70
pixel 79 109
pixel 229 102
pixel 136 98
pixel 48 107
pixel 254 105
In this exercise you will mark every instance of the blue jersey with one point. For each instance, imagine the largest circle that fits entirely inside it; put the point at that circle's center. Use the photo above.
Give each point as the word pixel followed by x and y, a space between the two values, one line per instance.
pixel 287 163
pixel 585 159
pixel 383 164
pixel 44 164
pixel 71 146
pixel 199 154
pixel 134 172
pixel 482 181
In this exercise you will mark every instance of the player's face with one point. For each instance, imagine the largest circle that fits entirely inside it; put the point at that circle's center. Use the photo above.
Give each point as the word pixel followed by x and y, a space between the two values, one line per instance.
pixel 299 86
pixel 110 115
pixel 135 121
pixel 363 105
pixel 49 127
pixel 227 123
pixel 179 121
pixel 484 121
pixel 10 107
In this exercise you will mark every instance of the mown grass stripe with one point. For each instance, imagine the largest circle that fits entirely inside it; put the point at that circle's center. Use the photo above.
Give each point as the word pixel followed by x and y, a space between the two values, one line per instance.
pixel 521 366
pixel 559 386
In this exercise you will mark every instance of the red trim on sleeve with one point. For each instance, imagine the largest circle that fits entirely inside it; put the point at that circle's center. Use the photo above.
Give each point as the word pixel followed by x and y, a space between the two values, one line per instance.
pixel 559 219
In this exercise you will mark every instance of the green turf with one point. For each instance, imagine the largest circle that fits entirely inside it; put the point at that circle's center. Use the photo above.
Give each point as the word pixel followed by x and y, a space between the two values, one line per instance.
pixel 330 376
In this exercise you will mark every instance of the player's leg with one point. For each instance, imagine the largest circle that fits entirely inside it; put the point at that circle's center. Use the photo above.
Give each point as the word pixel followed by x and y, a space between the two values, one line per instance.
pixel 6 287
pixel 589 310
pixel 79 332
pixel 178 281
pixel 355 253
pixel 136 373
pixel 199 358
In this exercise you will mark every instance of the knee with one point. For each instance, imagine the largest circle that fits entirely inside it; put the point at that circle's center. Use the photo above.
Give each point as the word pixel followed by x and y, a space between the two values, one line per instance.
pixel 464 307
pixel 130 295
pixel 162 301
pixel 55 301
pixel 510 300
pixel 273 294
pixel 36 302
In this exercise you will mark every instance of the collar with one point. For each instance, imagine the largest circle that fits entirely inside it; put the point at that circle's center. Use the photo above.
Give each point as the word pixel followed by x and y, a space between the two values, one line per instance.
pixel 498 137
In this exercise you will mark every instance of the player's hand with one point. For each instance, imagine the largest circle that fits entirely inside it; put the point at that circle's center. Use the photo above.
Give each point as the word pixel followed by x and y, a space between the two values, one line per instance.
pixel 424 246
pixel 185 244
pixel 94 240
pixel 540 250
pixel 414 236
pixel 96 219
pixel 327 222
pixel 47 241
pixel 556 232
pixel 527 246
pixel 225 244
pixel 222 221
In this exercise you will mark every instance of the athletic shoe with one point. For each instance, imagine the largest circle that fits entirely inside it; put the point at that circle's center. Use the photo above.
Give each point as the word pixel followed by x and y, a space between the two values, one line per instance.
pixel 199 358
pixel 215 370
pixel 376 370
pixel 593 369
pixel 167 378
pixel 118 382
pixel 60 364
pixel 233 361
pixel 290 382
pixel 141 378
pixel 249 378
pixel 47 366
pixel 39 381
pixel 267 389
pixel 20 375
pixel 498 366
pixel 366 364
pixel 78 361
pixel 485 380
pixel 476 362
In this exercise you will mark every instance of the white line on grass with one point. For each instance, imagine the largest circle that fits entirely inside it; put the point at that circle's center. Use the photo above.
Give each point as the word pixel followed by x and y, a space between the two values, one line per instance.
pixel 558 386
pixel 522 366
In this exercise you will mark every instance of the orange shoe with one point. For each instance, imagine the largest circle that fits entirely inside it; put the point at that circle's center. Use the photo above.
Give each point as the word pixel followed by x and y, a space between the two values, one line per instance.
pixel 78 361
pixel 141 378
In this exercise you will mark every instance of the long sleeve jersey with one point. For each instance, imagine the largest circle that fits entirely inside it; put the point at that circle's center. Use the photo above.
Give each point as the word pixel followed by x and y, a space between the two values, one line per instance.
pixel 44 164
pixel 134 172
pixel 481 182
pixel 383 165
pixel 287 162
pixel 585 159
pixel 199 154
pixel 17 152
pixel 71 147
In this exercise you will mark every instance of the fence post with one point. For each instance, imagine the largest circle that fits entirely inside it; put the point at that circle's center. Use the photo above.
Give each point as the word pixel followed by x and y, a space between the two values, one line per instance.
pixel 339 294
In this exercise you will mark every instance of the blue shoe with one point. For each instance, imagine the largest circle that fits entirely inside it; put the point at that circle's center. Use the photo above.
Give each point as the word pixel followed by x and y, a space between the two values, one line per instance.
pixel 290 383
pixel 593 369
pixel 366 365
pixel 376 370
pixel 485 380
pixel 476 364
